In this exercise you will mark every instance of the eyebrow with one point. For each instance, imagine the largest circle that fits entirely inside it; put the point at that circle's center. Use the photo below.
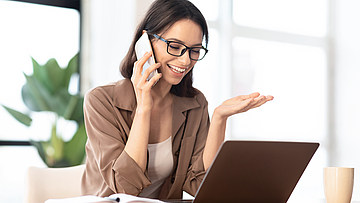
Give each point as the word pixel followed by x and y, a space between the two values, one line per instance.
pixel 177 40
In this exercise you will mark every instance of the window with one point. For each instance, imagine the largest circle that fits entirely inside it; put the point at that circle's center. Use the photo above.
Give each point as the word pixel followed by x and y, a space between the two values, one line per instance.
pixel 37 31
pixel 305 17
pixel 271 47
pixel 42 32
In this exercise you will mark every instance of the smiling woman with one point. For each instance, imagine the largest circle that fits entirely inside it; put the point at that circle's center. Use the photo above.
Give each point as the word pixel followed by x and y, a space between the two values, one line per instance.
pixel 126 119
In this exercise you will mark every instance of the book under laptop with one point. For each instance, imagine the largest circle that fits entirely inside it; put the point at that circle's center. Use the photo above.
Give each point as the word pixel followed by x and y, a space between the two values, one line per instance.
pixel 254 172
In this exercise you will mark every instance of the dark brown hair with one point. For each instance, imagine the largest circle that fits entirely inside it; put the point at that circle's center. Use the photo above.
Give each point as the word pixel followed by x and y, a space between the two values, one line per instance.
pixel 161 15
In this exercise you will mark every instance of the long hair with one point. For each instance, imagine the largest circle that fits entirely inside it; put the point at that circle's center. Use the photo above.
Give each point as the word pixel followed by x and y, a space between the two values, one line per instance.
pixel 161 15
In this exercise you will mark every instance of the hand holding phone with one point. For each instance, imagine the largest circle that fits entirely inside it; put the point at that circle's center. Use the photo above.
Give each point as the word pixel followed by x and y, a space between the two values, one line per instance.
pixel 142 46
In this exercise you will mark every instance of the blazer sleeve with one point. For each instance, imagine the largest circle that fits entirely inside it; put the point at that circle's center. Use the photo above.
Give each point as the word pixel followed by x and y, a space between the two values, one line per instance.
pixel 106 141
pixel 196 170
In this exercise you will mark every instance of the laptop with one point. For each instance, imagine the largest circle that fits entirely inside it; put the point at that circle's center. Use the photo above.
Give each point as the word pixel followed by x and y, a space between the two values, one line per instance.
pixel 254 172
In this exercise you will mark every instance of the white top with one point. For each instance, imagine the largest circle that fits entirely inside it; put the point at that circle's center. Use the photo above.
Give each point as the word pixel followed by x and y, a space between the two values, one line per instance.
pixel 159 167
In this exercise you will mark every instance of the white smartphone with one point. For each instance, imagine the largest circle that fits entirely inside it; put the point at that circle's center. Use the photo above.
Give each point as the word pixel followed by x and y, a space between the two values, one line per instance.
pixel 142 46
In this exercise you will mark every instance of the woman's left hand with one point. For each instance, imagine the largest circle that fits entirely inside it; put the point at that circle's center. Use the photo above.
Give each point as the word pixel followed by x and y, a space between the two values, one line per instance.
pixel 240 104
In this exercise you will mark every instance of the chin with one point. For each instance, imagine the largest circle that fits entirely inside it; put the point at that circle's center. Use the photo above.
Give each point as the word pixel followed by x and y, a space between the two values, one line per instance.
pixel 174 82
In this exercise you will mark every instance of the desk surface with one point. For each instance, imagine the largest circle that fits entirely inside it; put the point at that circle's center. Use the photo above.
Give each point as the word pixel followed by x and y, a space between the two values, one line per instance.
pixel 313 201
pixel 290 201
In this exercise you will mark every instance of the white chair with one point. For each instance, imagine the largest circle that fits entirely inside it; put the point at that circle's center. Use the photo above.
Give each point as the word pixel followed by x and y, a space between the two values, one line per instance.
pixel 53 183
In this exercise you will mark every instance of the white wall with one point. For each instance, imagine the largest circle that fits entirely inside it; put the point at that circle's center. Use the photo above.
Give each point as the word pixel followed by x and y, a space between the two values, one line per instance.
pixel 347 87
pixel 108 31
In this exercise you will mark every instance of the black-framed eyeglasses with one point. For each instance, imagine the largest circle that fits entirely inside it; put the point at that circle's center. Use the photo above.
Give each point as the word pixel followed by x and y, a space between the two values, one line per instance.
pixel 178 49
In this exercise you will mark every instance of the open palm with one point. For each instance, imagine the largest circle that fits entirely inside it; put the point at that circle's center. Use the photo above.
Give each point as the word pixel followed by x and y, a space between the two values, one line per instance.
pixel 241 104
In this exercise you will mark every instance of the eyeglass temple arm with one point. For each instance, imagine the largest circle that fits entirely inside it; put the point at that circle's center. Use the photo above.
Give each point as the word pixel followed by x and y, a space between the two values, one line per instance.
pixel 160 38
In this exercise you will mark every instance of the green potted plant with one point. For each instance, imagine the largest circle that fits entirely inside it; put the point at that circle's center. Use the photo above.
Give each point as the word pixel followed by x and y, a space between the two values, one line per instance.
pixel 46 90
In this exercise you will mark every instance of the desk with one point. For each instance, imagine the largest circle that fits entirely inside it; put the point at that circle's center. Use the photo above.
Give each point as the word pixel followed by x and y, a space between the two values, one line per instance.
pixel 313 201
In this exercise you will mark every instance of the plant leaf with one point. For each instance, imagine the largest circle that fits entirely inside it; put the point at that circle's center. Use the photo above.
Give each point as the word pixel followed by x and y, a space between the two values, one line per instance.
pixel 55 76
pixel 28 98
pixel 57 143
pixel 71 68
pixel 40 73
pixel 70 107
pixel 78 114
pixel 37 97
pixel 74 150
pixel 59 101
pixel 22 118
pixel 75 109
pixel 38 93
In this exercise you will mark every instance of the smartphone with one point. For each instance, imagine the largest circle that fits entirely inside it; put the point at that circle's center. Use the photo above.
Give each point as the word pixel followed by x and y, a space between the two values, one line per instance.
pixel 142 46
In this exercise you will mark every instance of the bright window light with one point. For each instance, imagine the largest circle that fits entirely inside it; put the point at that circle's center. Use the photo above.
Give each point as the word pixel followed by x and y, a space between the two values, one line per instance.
pixel 209 8
pixel 31 30
pixel 295 75
pixel 303 17
pixel 41 32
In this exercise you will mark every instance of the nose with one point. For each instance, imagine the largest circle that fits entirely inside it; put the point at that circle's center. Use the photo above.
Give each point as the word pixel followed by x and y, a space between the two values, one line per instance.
pixel 185 58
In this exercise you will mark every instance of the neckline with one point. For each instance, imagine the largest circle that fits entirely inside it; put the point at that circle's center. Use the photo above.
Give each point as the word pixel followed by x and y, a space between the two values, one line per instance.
pixel 160 143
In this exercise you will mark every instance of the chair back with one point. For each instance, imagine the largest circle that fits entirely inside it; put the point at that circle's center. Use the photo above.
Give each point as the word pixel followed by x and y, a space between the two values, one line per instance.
pixel 53 183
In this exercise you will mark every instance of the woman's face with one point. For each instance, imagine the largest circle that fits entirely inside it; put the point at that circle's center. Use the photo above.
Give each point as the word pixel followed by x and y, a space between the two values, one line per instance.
pixel 174 68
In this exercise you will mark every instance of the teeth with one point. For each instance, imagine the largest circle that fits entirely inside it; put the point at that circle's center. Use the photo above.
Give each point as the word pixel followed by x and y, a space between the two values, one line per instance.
pixel 177 69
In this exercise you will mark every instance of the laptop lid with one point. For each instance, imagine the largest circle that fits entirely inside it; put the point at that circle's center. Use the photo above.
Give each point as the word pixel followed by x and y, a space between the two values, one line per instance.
pixel 255 171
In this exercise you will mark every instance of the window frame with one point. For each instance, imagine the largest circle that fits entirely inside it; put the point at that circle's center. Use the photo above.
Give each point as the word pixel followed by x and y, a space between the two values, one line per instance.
pixel 72 4
pixel 228 30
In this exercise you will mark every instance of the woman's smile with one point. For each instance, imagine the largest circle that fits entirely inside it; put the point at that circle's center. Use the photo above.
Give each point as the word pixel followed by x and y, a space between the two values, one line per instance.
pixel 177 70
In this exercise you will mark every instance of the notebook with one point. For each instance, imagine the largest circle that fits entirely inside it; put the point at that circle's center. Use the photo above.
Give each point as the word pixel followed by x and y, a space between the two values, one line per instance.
pixel 254 172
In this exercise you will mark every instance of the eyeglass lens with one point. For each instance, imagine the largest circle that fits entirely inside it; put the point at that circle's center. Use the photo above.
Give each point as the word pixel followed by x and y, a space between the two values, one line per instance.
pixel 177 49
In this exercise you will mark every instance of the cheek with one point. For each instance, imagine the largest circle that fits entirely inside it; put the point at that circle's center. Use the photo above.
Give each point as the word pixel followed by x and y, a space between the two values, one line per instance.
pixel 158 52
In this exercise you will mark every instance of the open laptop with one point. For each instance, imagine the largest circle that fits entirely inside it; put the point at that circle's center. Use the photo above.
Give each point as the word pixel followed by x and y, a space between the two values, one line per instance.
pixel 254 172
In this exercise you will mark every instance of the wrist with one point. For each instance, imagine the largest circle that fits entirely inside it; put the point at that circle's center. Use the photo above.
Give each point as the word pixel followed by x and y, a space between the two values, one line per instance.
pixel 142 111
pixel 218 117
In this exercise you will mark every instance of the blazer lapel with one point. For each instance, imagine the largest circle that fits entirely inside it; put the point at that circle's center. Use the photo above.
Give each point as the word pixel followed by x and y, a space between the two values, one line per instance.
pixel 180 107
pixel 125 99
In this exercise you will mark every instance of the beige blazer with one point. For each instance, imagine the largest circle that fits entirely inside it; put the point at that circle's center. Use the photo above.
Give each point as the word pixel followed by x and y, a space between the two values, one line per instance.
pixel 109 111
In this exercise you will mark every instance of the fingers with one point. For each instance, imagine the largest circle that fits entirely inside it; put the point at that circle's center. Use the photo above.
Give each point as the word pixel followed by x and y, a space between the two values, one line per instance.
pixel 261 100
pixel 141 83
pixel 143 79
pixel 138 65
pixel 152 68
pixel 244 97
pixel 138 75
pixel 154 79
pixel 254 101
pixel 254 95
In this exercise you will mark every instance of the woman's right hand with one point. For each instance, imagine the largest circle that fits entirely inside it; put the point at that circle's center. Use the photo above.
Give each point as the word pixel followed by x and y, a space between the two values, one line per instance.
pixel 141 85
pixel 137 143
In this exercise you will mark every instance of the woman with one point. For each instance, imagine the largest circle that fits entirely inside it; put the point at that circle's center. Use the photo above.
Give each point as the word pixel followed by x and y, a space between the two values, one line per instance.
pixel 154 138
